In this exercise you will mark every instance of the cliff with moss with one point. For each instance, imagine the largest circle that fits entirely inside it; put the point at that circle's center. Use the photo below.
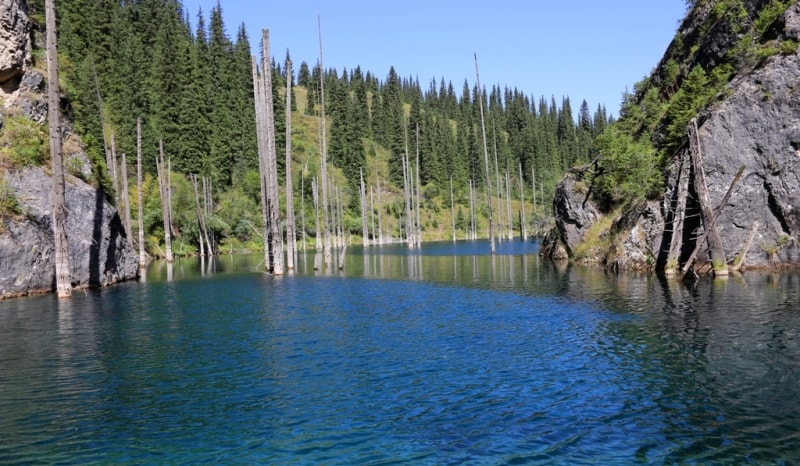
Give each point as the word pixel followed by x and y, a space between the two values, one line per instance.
pixel 100 252
pixel 732 68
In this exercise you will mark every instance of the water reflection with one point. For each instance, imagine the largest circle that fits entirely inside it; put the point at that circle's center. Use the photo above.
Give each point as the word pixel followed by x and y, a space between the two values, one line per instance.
pixel 436 356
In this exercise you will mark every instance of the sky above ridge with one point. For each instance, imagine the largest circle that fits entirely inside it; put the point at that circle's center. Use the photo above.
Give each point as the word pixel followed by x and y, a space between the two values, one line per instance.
pixel 586 50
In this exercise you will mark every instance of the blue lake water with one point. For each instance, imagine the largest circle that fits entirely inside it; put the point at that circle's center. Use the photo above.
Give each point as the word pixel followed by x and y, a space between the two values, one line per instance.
pixel 443 355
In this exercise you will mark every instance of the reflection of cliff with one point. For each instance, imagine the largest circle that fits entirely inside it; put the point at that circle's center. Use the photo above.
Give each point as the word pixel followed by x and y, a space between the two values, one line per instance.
pixel 723 355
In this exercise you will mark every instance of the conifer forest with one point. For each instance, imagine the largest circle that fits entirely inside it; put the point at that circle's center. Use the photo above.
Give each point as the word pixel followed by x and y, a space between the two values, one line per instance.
pixel 399 157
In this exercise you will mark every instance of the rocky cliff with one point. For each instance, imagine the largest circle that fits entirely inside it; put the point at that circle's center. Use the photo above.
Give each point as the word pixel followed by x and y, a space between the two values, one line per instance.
pixel 756 124
pixel 100 252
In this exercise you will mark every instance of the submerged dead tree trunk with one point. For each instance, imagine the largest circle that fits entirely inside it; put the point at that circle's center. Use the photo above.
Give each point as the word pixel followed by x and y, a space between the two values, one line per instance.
pixel 418 217
pixel 485 159
pixel 473 228
pixel 291 235
pixel 323 154
pixel 678 216
pixel 317 237
pixel 201 221
pixel 139 196
pixel 261 140
pixel 452 209
pixel 380 208
pixel 718 261
pixel 268 169
pixel 163 189
pixel 711 227
pixel 125 199
pixel 508 206
pixel 363 195
pixel 59 215
pixel 523 229
pixel 272 160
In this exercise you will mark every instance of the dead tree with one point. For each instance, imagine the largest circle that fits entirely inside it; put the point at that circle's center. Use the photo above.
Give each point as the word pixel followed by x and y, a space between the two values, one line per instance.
pixel 485 159
pixel 201 220
pixel 523 230
pixel 508 206
pixel 125 198
pixel 678 216
pixel 291 235
pixel 718 261
pixel 711 226
pixel 163 189
pixel 139 196
pixel 452 209
pixel 323 154
pixel 59 215
pixel 271 161
pixel 418 219
pixel 363 198
pixel 261 139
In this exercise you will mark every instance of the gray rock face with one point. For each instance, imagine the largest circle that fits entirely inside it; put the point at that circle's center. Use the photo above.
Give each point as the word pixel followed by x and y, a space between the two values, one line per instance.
pixel 574 212
pixel 100 253
pixel 15 47
pixel 758 126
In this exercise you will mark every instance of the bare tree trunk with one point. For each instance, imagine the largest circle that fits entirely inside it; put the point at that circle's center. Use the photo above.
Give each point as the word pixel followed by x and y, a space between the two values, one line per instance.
pixel 303 205
pixel 110 162
pixel 125 197
pixel 372 215
pixel 208 209
pixel 508 206
pixel 261 138
pixel 343 242
pixel 523 230
pixel 200 219
pixel 738 262
pixel 718 261
pixel 673 256
pixel 380 208
pixel 114 168
pixel 363 195
pixel 711 227
pixel 317 238
pixel 485 159
pixel 139 196
pixel 163 191
pixel 452 209
pixel 473 232
pixel 291 236
pixel 499 193
pixel 407 197
pixel 533 181
pixel 63 281
pixel 323 153
pixel 271 165
pixel 418 219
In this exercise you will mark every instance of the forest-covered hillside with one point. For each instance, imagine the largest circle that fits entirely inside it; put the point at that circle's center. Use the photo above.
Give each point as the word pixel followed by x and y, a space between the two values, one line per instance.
pixel 193 90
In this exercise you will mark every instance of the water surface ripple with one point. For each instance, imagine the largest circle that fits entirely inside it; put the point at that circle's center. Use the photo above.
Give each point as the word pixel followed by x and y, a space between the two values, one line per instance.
pixel 478 361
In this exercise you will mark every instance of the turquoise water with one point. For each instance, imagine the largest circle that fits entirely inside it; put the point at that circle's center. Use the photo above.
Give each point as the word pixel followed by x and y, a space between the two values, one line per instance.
pixel 433 357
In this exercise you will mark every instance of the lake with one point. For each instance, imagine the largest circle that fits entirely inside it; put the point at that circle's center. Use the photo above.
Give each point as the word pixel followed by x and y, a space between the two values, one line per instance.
pixel 443 355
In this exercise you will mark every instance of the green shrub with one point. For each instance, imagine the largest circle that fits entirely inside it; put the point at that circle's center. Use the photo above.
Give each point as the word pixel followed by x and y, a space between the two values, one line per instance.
pixel 23 143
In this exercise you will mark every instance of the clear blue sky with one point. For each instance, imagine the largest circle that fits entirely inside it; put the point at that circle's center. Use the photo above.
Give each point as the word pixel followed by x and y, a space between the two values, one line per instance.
pixel 583 49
